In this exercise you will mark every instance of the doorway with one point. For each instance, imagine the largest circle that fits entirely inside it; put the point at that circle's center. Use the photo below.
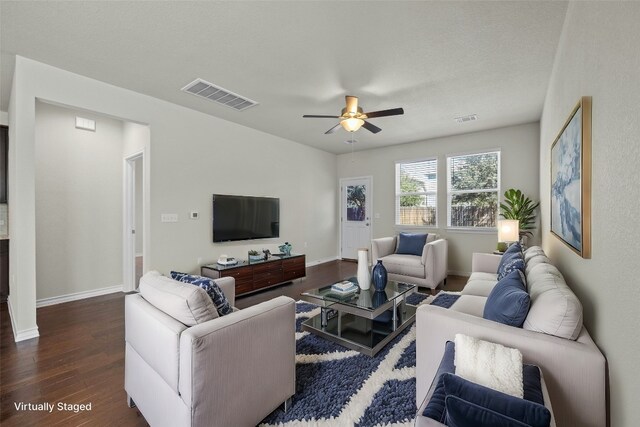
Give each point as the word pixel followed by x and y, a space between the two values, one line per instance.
pixel 355 215
pixel 133 222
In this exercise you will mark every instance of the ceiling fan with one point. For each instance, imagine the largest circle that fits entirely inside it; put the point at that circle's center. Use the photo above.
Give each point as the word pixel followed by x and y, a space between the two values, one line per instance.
pixel 352 117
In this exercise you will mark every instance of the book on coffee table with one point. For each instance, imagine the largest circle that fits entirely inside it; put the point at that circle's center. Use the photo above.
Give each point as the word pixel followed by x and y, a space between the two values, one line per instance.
pixel 344 287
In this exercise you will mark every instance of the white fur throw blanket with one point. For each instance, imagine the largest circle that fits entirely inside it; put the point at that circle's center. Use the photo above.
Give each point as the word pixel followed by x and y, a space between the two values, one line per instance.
pixel 488 364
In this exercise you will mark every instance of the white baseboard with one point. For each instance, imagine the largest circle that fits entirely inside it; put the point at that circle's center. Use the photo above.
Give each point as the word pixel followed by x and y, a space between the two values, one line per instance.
pixel 78 295
pixel 459 273
pixel 320 261
pixel 27 334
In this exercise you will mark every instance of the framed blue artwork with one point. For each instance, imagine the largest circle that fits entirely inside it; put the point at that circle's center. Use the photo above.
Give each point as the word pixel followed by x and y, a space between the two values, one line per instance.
pixel 571 181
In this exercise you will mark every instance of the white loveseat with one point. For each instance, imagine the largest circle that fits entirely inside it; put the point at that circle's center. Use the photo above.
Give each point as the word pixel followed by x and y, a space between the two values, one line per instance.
pixel 185 366
pixel 428 270
pixel 552 337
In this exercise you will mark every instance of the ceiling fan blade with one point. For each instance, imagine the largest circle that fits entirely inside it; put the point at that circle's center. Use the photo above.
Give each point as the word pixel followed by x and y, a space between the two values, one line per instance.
pixel 383 113
pixel 333 129
pixel 313 116
pixel 371 128
pixel 352 104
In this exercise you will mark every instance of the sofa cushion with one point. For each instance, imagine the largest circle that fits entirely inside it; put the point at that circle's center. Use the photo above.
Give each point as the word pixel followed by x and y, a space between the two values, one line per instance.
pixel 535 260
pixel 218 297
pixel 531 252
pixel 411 244
pixel 521 410
pixel 508 302
pixel 470 304
pixel 186 303
pixel 555 310
pixel 480 284
pixel 406 265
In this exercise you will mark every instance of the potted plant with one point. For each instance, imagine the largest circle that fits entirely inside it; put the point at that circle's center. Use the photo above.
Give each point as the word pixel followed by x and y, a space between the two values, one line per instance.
pixel 255 256
pixel 519 207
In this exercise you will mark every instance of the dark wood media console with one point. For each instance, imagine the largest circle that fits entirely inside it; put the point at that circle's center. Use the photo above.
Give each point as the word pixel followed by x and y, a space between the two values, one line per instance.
pixel 254 276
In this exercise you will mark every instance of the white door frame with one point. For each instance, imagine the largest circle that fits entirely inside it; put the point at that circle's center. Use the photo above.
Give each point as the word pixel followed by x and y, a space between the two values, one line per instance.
pixel 340 207
pixel 129 219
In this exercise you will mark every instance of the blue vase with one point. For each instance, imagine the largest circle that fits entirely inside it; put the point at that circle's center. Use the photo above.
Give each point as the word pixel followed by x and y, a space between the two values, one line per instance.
pixel 379 298
pixel 379 276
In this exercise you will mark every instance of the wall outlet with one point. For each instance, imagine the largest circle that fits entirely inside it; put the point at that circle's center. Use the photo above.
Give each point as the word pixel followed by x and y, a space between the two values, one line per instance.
pixel 169 217
pixel 194 215
pixel 199 261
pixel 305 244
pixel 376 215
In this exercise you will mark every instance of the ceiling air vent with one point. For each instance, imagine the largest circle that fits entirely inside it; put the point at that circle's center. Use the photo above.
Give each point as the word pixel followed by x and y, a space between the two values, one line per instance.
pixel 464 119
pixel 222 96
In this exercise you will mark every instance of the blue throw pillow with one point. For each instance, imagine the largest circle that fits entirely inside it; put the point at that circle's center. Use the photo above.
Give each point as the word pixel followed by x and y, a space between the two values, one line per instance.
pixel 512 251
pixel 461 413
pixel 411 244
pixel 218 298
pixel 515 263
pixel 508 302
pixel 532 384
pixel 484 403
pixel 435 408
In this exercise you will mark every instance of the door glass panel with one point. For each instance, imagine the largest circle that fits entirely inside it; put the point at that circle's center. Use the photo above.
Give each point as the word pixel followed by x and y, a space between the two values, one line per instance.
pixel 356 202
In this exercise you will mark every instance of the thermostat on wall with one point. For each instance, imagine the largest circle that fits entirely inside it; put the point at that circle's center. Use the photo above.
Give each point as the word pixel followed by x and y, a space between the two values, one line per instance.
pixel 194 215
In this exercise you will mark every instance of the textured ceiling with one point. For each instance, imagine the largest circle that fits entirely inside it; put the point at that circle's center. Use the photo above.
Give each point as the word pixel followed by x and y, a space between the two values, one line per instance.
pixel 438 60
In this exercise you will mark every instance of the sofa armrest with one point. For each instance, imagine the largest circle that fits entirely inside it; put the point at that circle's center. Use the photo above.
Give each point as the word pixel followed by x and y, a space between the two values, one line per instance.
pixel 154 335
pixel 485 263
pixel 228 287
pixel 574 371
pixel 382 247
pixel 247 356
pixel 435 261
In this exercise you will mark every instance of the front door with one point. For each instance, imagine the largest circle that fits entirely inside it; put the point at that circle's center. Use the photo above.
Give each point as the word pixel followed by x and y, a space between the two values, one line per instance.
pixel 355 215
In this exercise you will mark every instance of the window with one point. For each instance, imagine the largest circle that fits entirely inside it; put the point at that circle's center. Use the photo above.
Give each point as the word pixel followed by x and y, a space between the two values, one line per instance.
pixel 473 186
pixel 416 193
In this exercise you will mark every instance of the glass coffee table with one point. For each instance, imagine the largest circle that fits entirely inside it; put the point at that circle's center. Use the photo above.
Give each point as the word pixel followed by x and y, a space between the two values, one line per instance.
pixel 364 321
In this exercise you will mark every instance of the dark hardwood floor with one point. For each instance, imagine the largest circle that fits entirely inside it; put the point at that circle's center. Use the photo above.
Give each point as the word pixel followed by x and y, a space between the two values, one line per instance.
pixel 79 356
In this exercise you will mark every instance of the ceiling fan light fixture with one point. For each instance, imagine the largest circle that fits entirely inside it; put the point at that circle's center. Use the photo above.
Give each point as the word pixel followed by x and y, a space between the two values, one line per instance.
pixel 352 124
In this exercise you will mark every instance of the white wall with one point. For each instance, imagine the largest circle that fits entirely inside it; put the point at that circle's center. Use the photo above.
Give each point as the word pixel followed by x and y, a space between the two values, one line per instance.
pixel 192 156
pixel 78 202
pixel 598 55
pixel 519 169
pixel 4 118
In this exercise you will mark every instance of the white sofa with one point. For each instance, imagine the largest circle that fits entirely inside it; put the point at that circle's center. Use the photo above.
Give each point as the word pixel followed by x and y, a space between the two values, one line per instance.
pixel 185 366
pixel 552 337
pixel 428 270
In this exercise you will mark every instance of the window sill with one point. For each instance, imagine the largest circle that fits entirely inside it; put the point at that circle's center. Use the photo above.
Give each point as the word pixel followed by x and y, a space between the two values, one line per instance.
pixel 469 230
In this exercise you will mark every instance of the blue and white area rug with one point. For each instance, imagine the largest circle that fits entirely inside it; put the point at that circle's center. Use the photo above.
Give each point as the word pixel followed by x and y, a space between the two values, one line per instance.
pixel 336 386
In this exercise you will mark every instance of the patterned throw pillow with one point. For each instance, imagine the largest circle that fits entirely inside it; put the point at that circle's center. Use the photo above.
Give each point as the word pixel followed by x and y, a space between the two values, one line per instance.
pixel 220 301
pixel 515 263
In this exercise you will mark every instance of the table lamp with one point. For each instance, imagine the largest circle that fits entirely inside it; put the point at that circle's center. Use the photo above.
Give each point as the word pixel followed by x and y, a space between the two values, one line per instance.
pixel 508 230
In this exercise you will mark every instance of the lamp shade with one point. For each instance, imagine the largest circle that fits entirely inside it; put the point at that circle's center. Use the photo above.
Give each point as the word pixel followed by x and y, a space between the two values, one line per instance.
pixel 508 230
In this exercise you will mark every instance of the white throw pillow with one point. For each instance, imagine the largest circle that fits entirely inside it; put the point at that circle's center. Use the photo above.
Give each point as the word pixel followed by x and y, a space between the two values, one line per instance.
pixel 489 364
pixel 187 303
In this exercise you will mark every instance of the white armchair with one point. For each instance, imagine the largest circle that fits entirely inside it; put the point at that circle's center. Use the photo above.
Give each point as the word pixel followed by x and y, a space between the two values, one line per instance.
pixel 428 270
pixel 226 371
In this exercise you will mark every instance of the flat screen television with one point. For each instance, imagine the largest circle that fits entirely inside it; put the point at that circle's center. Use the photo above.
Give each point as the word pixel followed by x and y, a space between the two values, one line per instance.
pixel 245 218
